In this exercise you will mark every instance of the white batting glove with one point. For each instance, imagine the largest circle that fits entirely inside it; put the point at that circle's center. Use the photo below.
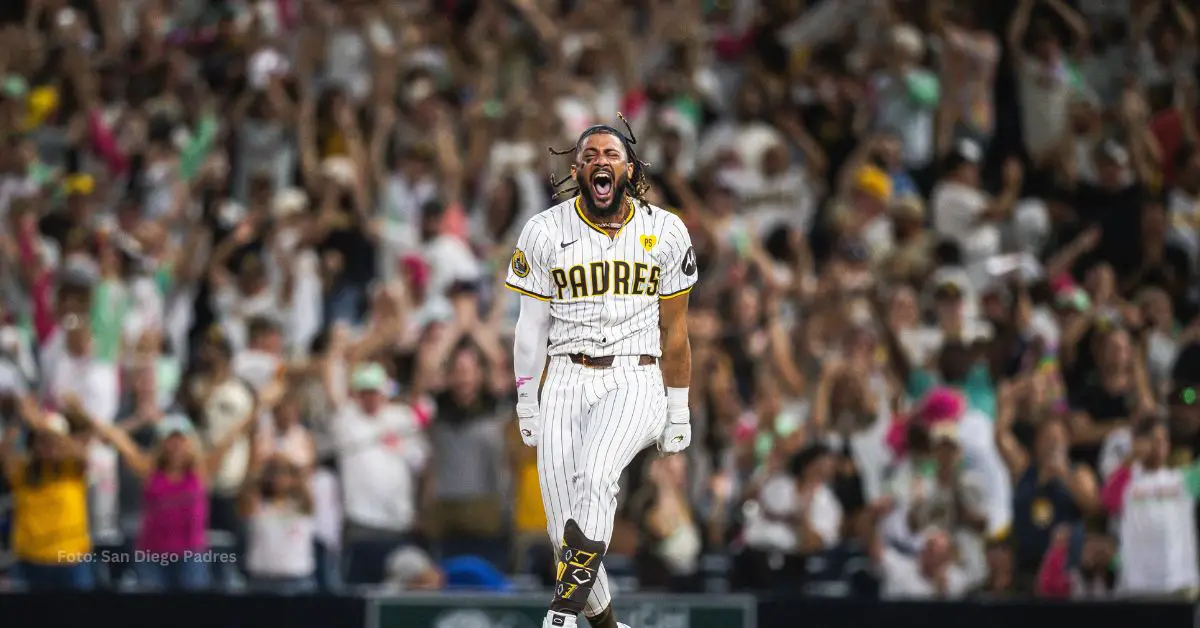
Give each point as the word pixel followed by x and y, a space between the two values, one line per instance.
pixel 677 435
pixel 675 438
pixel 529 420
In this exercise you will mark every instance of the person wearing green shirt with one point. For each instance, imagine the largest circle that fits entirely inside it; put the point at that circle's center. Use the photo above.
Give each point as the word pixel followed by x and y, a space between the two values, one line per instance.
pixel 956 367
pixel 975 382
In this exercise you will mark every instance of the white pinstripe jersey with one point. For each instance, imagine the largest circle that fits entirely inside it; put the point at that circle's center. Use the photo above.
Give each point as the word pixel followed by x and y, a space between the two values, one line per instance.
pixel 603 291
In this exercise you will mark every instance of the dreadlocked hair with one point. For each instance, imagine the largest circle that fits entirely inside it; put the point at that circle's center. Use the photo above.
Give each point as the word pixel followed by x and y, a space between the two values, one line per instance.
pixel 638 185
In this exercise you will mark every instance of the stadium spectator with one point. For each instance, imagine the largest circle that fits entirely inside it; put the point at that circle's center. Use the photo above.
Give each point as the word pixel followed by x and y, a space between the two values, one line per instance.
pixel 931 574
pixel 1156 509
pixel 793 515
pixel 280 528
pixel 935 487
pixel 50 526
pixel 1078 565
pixel 223 406
pixel 1049 492
pixel 285 436
pixel 469 458
pixel 175 508
pixel 670 541
pixel 380 452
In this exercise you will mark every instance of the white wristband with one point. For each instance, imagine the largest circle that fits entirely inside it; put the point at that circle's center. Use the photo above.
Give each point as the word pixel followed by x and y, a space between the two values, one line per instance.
pixel 677 401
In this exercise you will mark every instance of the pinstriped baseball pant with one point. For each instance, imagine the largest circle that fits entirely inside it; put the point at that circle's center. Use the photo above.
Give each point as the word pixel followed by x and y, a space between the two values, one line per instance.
pixel 594 421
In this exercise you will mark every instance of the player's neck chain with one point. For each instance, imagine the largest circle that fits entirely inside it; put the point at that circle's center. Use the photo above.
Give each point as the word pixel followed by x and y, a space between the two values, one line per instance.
pixel 613 225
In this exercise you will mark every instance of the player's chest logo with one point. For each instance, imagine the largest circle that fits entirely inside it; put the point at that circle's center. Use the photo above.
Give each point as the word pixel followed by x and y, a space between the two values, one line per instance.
pixel 604 278
pixel 634 273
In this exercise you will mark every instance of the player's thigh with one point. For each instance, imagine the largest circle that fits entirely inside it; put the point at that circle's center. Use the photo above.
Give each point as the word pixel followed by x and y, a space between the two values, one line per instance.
pixel 563 404
pixel 628 417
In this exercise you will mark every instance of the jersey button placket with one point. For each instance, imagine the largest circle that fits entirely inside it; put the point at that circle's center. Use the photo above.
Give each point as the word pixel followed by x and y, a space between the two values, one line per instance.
pixel 609 249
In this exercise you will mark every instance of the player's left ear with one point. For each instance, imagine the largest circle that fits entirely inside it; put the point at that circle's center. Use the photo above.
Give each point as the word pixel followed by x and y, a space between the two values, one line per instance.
pixel 629 170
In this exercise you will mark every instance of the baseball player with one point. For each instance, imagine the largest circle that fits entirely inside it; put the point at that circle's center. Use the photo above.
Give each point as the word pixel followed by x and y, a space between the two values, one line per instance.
pixel 605 277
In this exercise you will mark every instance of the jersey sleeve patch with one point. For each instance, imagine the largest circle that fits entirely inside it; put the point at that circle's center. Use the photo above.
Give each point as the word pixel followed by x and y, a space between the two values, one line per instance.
pixel 520 265
pixel 680 269
pixel 688 266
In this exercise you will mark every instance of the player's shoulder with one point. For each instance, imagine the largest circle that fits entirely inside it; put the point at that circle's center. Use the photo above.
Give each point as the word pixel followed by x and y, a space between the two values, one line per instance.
pixel 667 223
pixel 546 223
pixel 554 214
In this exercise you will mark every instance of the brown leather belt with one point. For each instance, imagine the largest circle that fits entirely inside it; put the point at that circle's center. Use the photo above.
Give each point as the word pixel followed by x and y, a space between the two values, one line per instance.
pixel 604 362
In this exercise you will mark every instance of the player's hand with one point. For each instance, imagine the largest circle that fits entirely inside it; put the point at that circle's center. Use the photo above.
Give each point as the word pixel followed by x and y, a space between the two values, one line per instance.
pixel 675 438
pixel 677 435
pixel 529 420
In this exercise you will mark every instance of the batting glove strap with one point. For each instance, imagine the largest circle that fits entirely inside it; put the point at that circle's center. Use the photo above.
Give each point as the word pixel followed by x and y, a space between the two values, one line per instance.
pixel 529 423
pixel 679 416
pixel 677 406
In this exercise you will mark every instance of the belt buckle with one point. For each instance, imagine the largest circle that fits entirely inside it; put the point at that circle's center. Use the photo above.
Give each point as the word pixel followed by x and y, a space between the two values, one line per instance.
pixel 585 360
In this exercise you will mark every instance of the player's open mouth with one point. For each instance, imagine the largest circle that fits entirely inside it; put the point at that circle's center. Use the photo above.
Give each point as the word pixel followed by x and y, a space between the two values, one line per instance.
pixel 602 187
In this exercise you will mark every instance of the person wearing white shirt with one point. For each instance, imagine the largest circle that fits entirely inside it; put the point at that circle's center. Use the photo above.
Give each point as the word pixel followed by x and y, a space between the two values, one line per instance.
pixel 1156 505
pixel 260 361
pixel 403 194
pixel 1044 79
pixel 449 258
pixel 237 300
pixel 222 401
pixel 382 451
pixel 797 513
pixel 280 528
pixel 746 136
pixel 1183 205
pixel 941 490
pixel 284 435
pixel 778 194
pixel 18 368
pixel 963 212
pixel 76 374
pixel 906 96
pixel 930 574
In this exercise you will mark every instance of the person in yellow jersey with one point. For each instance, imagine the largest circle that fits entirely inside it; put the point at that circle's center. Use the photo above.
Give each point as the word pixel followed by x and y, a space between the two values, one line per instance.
pixel 528 515
pixel 49 488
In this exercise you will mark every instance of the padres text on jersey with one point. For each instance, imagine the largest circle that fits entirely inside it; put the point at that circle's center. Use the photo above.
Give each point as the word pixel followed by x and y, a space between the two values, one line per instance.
pixel 603 291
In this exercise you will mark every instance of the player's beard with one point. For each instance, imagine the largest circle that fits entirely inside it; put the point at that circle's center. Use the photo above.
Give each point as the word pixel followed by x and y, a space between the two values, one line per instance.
pixel 599 206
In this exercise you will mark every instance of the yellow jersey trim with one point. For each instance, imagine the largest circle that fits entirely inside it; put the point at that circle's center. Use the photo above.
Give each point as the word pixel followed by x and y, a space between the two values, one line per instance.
pixel 520 290
pixel 664 297
pixel 584 218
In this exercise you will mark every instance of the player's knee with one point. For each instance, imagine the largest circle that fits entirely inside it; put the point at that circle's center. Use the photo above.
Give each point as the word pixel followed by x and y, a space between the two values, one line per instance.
pixel 574 537
pixel 595 489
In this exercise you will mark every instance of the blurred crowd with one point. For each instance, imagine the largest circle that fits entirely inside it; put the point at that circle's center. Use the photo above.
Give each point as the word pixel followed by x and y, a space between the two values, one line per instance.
pixel 945 341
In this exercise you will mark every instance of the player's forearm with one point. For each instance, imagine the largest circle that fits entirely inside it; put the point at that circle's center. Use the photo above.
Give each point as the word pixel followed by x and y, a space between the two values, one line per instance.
pixel 529 348
pixel 677 357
